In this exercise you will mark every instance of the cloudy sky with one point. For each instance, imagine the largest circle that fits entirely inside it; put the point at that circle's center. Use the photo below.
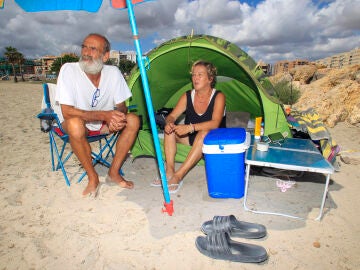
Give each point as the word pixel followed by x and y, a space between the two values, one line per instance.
pixel 268 30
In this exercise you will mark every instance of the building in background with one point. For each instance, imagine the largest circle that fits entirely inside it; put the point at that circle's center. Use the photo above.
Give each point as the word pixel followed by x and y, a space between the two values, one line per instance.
pixel 266 68
pixel 342 59
pixel 43 65
pixel 116 56
pixel 285 65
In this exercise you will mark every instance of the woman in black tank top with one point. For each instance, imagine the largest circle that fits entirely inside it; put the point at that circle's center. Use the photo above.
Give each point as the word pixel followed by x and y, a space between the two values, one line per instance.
pixel 192 117
pixel 204 109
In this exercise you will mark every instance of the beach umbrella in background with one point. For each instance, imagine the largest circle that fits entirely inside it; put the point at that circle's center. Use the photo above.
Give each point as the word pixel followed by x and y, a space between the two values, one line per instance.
pixel 93 6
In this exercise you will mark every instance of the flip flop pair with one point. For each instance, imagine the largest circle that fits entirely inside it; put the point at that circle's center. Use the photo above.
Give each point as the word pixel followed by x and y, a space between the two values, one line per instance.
pixel 217 243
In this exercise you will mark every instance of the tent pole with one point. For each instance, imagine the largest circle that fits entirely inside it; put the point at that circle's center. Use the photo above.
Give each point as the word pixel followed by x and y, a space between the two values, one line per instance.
pixel 168 203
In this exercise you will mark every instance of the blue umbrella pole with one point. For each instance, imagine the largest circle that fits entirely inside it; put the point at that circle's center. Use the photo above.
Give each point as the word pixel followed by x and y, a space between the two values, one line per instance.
pixel 168 203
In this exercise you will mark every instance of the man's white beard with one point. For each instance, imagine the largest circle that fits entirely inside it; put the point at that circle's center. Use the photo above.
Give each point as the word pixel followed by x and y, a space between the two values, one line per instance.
pixel 94 66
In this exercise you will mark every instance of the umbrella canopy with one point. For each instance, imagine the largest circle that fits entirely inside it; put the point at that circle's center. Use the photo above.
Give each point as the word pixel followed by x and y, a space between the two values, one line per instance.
pixel 93 6
pixel 87 5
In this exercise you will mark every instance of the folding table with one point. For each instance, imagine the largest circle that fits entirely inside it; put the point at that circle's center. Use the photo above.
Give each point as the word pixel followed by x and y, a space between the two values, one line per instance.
pixel 291 154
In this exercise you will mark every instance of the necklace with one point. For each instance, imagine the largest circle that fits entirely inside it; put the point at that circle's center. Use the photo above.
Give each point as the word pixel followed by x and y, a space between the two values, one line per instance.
pixel 202 99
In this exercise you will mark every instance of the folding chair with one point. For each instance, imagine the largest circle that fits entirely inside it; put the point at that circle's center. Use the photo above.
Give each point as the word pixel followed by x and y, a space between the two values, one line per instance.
pixel 50 124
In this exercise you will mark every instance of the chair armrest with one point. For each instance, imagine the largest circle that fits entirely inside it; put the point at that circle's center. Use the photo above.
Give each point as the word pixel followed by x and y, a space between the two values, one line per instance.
pixel 47 114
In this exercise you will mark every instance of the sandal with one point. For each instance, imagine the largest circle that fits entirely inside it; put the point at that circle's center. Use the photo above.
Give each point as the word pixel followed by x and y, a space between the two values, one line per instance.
pixel 177 187
pixel 234 227
pixel 219 246
pixel 156 183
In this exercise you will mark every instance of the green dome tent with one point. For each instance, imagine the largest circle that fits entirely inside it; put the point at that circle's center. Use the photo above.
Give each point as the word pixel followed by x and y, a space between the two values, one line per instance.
pixel 244 84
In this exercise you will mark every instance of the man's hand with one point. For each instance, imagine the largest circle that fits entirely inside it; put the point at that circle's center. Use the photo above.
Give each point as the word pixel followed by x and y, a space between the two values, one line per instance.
pixel 116 120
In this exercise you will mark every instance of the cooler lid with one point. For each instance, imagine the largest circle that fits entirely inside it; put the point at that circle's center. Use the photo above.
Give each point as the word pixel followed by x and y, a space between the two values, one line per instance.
pixel 226 140
pixel 225 136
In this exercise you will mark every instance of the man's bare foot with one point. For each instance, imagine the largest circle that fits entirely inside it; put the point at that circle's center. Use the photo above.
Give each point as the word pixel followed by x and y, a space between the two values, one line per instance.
pixel 119 181
pixel 92 188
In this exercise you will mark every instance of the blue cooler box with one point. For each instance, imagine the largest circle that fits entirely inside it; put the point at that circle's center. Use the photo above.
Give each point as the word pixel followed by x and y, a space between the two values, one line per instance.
pixel 224 151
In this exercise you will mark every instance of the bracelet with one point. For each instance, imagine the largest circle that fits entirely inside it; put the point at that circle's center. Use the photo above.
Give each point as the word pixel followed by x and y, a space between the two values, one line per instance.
pixel 192 129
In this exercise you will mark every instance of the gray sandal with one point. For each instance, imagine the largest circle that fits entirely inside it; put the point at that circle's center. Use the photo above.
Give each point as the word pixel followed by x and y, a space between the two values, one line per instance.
pixel 219 246
pixel 234 227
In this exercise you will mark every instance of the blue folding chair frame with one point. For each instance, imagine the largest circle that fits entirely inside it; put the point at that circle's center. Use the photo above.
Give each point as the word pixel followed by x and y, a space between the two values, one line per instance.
pixel 54 129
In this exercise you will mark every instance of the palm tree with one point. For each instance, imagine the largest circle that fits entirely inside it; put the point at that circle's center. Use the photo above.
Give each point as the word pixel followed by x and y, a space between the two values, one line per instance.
pixel 21 61
pixel 11 55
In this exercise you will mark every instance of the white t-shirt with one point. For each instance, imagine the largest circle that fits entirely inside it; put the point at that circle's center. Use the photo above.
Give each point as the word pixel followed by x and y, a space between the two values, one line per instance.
pixel 74 88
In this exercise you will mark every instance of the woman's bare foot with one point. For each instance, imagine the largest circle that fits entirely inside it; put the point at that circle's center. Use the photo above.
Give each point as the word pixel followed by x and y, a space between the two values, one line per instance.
pixel 157 182
pixel 174 184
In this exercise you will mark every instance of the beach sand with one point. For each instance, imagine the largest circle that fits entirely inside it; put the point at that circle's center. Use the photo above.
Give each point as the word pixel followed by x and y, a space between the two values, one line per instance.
pixel 46 225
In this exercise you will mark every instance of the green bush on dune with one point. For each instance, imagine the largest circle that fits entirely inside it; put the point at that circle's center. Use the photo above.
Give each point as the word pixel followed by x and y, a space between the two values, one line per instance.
pixel 286 92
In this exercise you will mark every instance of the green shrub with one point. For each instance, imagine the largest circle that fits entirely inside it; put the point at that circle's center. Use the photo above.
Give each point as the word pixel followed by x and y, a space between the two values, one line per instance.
pixel 286 92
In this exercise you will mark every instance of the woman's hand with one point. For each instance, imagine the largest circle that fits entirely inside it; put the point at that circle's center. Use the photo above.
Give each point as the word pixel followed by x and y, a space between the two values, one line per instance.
pixel 169 128
pixel 182 130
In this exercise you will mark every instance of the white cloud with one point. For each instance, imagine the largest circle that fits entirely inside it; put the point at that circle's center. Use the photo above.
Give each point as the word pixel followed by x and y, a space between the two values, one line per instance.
pixel 271 31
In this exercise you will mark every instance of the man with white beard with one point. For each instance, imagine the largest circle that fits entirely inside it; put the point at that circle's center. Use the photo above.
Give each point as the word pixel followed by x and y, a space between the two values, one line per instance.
pixel 92 98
